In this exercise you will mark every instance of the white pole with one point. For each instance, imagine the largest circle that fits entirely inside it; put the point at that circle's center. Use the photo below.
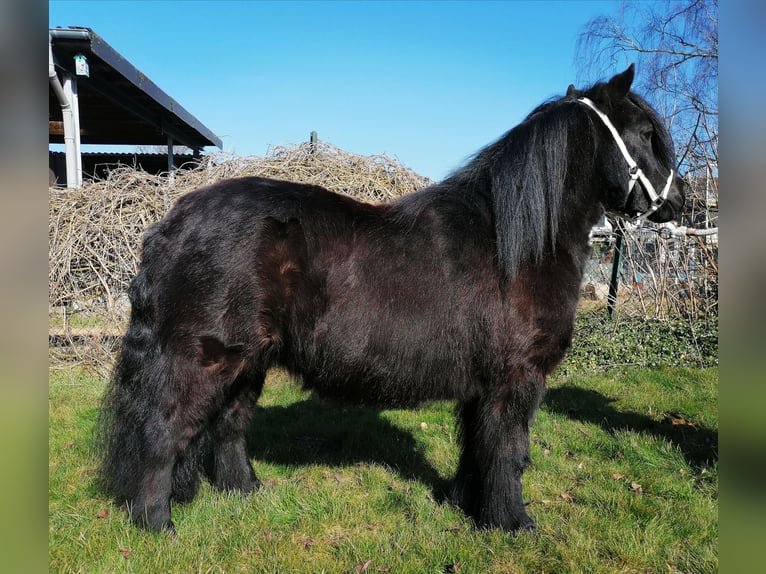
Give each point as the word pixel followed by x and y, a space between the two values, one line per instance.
pixel 72 133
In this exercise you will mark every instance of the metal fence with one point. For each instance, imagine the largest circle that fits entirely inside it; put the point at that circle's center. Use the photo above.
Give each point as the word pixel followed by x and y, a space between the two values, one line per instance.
pixel 660 271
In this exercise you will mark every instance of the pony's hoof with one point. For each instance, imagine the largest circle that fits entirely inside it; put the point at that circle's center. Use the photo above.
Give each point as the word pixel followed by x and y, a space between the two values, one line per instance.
pixel 159 522
pixel 169 527
pixel 243 487
pixel 251 486
pixel 526 527
pixel 511 525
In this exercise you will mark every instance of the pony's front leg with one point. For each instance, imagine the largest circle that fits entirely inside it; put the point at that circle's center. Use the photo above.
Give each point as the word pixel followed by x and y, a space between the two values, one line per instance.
pixel 501 504
pixel 496 430
pixel 467 488
pixel 171 459
pixel 188 399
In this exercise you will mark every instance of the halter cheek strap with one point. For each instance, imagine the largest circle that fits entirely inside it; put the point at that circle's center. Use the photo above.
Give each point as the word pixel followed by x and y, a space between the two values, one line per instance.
pixel 635 172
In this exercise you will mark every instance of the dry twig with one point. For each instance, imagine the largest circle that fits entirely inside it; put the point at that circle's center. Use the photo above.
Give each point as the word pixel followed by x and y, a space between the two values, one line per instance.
pixel 95 231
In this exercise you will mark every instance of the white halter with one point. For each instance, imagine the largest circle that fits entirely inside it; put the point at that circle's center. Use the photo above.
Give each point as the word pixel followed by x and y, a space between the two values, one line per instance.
pixel 635 172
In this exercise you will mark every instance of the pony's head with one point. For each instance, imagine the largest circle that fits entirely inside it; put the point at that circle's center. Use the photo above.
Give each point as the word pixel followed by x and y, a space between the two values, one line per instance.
pixel 603 147
pixel 635 151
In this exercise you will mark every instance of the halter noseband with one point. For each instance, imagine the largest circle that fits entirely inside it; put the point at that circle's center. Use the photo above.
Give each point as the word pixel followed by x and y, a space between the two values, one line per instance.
pixel 634 171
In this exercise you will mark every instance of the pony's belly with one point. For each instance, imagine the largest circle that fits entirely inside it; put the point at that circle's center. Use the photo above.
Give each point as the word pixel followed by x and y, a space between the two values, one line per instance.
pixel 372 391
pixel 376 379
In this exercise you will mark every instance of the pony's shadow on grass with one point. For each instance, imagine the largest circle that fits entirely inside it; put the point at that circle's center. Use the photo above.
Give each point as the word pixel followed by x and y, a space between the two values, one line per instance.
pixel 698 444
pixel 329 433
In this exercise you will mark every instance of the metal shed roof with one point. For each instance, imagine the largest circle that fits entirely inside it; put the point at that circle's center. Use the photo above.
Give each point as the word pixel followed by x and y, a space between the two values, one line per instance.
pixel 118 104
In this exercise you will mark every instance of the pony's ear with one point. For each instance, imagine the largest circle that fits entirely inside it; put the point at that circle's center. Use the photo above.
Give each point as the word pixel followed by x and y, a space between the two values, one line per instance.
pixel 619 86
pixel 571 91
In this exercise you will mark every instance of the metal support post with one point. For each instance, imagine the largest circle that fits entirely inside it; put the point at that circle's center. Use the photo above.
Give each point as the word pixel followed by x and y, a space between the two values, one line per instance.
pixel 171 163
pixel 614 282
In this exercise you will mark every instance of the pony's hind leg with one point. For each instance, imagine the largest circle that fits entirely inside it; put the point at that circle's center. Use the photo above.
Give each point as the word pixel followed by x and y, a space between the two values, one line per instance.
pixel 151 506
pixel 231 465
pixel 189 392
pixel 495 440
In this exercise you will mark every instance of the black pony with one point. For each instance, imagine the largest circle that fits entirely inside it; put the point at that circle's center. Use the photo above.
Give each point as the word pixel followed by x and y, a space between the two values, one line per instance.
pixel 465 290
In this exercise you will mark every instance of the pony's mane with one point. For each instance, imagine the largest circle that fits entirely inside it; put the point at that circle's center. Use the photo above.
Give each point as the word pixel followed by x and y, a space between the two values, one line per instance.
pixel 522 176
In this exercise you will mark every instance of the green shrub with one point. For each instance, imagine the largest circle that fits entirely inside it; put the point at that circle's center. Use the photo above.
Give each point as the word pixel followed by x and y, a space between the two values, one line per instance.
pixel 602 343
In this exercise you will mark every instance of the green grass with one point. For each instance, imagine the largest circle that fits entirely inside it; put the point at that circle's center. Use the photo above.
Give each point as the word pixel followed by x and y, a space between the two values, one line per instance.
pixel 76 320
pixel 347 485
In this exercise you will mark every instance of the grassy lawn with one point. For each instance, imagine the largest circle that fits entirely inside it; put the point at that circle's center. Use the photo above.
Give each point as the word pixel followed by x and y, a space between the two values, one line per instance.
pixel 624 479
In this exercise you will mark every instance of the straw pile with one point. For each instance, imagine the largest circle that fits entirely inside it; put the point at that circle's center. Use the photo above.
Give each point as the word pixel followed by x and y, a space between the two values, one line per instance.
pixel 95 231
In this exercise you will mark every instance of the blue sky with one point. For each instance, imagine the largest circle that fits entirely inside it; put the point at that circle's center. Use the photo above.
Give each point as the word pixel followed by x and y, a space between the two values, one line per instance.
pixel 428 83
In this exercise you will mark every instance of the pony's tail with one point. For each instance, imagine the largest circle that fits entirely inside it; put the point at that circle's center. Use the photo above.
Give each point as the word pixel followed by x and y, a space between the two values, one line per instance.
pixel 130 395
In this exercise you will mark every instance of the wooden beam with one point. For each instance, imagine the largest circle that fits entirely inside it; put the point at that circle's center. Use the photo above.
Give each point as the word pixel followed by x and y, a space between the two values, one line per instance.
pixel 57 129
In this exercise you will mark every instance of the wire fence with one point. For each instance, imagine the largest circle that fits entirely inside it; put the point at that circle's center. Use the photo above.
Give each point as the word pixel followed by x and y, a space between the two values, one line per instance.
pixel 666 271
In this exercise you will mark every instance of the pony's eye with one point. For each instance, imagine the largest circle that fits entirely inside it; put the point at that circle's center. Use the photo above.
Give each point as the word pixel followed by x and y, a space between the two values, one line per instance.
pixel 647 134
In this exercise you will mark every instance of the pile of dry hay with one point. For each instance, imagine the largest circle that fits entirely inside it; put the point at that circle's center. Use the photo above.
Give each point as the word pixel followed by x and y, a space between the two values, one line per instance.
pixel 95 231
